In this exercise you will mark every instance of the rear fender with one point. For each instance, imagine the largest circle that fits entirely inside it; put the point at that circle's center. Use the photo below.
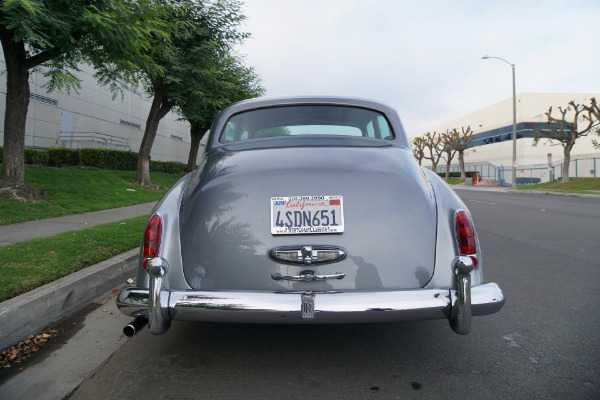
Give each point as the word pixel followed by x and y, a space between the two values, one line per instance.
pixel 448 203
pixel 170 247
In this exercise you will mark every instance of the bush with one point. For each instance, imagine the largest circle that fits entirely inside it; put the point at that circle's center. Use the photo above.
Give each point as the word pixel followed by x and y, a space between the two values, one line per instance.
pixel 469 174
pixel 109 159
pixel 169 167
pixel 61 157
pixel 36 157
pixel 96 158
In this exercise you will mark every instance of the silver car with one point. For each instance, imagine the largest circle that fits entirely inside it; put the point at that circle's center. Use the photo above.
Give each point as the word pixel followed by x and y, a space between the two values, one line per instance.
pixel 309 210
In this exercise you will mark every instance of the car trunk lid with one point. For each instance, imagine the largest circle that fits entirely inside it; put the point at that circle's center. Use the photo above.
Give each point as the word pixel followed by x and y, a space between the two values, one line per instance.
pixel 389 217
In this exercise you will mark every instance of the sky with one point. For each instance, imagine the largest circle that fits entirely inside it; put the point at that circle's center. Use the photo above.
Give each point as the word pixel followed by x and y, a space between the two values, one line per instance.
pixel 424 58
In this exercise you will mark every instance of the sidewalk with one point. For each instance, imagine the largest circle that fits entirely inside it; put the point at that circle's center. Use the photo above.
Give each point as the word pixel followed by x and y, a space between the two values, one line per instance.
pixel 48 227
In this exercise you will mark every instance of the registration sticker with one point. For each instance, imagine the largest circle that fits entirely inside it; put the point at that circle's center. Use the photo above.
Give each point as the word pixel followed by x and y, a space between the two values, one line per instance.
pixel 294 215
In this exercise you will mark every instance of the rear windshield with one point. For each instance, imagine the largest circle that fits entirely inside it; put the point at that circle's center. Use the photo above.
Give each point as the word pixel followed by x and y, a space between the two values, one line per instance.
pixel 306 120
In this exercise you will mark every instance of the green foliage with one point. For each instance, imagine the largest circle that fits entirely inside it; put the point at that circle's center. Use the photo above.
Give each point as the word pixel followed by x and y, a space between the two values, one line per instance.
pixel 168 167
pixel 60 34
pixel 469 174
pixel 227 81
pixel 204 31
pixel 61 157
pixel 454 181
pixel 95 158
pixel 37 157
pixel 574 185
pixel 109 159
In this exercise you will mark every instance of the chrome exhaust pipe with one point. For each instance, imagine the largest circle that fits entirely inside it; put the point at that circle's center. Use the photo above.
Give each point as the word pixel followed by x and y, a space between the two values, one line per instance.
pixel 134 326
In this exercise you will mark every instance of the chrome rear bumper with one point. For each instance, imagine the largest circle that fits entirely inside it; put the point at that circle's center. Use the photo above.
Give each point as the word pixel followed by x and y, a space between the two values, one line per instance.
pixel 286 307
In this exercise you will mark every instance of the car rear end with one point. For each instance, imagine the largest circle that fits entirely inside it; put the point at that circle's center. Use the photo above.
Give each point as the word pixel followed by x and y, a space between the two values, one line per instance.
pixel 310 211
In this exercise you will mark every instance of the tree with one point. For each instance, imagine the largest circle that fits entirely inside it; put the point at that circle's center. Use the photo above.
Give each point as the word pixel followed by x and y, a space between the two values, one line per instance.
pixel 594 113
pixel 230 82
pixel 211 31
pixel 433 143
pixel 463 141
pixel 566 130
pixel 449 145
pixel 418 148
pixel 57 35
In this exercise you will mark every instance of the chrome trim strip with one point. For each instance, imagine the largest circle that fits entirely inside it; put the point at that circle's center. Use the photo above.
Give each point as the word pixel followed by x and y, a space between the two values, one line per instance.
pixel 340 307
pixel 307 276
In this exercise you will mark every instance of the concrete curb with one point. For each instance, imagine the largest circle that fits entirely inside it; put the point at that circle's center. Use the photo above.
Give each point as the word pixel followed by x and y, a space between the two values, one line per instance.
pixel 505 189
pixel 33 311
pixel 569 194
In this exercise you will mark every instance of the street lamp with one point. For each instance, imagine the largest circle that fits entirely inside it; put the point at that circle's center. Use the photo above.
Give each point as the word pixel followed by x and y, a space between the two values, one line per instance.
pixel 514 134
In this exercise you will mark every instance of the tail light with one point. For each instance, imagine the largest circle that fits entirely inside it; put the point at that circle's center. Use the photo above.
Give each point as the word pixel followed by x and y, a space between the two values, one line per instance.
pixel 152 236
pixel 465 236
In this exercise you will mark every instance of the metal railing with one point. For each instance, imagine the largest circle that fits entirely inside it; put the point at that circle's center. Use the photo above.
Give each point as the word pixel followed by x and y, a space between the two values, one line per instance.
pixel 583 166
pixel 486 169
pixel 95 137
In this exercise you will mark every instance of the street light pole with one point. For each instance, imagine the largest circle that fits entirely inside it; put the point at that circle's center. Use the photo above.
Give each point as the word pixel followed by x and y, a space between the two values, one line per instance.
pixel 514 132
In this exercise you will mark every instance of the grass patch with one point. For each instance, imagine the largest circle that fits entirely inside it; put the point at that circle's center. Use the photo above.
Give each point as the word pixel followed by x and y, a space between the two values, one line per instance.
pixel 575 185
pixel 27 265
pixel 454 181
pixel 75 191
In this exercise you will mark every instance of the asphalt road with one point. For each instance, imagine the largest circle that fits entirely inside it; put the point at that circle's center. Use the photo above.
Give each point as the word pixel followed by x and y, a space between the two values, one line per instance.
pixel 545 343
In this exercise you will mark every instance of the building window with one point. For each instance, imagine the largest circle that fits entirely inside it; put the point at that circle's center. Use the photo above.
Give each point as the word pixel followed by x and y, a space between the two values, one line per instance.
pixel 131 124
pixel 43 99
pixel 177 138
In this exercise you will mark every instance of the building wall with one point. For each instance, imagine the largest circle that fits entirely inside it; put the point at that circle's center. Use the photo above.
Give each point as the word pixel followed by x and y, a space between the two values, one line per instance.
pixel 531 108
pixel 90 117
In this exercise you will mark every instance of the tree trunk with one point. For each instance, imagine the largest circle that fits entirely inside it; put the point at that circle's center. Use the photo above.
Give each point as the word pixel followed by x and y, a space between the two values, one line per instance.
pixel 160 107
pixel 15 117
pixel 196 134
pixel 461 162
pixel 448 169
pixel 567 160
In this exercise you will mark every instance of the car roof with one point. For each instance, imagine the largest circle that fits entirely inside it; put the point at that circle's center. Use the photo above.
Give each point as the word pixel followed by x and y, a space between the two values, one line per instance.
pixel 267 102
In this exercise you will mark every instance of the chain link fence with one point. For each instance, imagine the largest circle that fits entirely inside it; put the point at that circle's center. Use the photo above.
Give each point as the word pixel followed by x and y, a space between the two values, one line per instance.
pixel 582 166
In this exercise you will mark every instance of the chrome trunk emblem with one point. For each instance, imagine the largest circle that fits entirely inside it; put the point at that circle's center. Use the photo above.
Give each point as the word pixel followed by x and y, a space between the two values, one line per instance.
pixel 308 254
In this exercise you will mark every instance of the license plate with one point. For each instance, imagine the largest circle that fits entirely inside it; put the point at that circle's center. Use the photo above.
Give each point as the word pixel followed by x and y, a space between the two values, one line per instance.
pixel 294 215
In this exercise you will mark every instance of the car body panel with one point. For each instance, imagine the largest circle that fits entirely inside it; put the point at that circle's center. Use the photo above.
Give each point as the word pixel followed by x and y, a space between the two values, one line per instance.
pixel 228 212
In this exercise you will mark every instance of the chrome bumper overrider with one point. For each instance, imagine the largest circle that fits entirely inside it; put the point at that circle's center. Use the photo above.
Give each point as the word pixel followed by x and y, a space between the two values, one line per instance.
pixel 162 305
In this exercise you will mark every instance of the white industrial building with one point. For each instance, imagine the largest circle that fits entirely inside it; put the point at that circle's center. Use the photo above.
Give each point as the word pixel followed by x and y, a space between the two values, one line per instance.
pixel 493 125
pixel 90 117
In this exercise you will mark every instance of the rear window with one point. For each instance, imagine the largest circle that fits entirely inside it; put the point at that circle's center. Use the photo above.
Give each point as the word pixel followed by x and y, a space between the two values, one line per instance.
pixel 306 120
